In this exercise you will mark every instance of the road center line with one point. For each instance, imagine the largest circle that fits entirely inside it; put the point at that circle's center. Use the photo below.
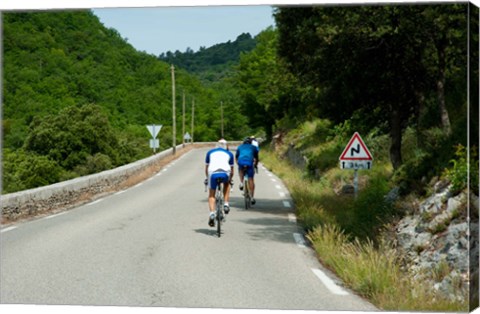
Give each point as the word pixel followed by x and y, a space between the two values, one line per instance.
pixel 281 194
pixel 8 229
pixel 329 282
pixel 278 187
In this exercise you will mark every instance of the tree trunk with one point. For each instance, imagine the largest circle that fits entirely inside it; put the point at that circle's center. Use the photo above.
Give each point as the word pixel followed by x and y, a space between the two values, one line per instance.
pixel 396 139
pixel 441 88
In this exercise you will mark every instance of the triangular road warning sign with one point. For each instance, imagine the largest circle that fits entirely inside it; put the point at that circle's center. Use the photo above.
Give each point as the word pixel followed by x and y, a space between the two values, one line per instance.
pixel 356 149
pixel 154 129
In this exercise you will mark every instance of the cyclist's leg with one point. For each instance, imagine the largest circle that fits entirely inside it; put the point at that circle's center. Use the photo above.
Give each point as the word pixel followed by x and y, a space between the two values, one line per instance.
pixel 240 174
pixel 211 207
pixel 226 194
pixel 213 187
pixel 211 199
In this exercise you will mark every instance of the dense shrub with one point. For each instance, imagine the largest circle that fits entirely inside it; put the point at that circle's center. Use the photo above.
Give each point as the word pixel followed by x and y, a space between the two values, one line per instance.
pixel 22 170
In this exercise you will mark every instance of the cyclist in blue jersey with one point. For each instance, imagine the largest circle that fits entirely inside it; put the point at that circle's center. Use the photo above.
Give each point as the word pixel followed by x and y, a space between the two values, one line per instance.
pixel 219 164
pixel 247 155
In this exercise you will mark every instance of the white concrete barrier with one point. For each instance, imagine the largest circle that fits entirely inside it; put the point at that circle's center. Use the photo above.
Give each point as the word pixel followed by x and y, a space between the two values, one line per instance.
pixel 79 190
pixel 72 192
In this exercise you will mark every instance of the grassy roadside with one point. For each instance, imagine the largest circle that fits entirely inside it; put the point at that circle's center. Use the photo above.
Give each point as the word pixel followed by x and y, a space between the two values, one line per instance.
pixel 348 235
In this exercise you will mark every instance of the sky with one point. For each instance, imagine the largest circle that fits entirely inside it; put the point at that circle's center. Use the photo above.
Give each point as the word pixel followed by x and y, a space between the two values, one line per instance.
pixel 161 29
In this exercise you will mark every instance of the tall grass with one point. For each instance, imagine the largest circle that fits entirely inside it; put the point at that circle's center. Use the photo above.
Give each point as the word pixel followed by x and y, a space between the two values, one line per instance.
pixel 345 234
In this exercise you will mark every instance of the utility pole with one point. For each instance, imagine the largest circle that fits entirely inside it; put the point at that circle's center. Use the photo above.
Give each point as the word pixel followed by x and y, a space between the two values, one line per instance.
pixel 183 121
pixel 174 124
pixel 221 114
pixel 193 116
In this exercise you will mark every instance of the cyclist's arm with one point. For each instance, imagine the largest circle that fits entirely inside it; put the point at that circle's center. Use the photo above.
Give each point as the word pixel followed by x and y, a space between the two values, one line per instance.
pixel 231 162
pixel 206 171
pixel 236 156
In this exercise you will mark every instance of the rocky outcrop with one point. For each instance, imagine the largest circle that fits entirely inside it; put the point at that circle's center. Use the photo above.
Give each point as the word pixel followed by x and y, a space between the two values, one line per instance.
pixel 436 241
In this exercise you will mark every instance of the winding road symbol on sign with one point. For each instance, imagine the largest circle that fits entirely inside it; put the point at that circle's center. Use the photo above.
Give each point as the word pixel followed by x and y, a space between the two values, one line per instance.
pixel 356 154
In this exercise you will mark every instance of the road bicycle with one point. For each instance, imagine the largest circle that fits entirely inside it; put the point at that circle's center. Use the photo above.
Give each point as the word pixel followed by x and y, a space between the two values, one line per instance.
pixel 219 202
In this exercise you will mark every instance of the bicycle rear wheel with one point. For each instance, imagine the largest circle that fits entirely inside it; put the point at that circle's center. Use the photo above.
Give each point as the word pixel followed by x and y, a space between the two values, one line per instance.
pixel 246 194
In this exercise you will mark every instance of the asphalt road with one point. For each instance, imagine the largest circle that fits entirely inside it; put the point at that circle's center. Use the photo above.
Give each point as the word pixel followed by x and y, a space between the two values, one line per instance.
pixel 150 245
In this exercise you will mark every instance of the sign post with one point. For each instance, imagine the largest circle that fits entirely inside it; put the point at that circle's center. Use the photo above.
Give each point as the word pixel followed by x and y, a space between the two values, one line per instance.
pixel 154 129
pixel 356 156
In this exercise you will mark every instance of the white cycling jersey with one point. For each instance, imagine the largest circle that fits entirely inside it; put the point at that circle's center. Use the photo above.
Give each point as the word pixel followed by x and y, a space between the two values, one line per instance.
pixel 219 159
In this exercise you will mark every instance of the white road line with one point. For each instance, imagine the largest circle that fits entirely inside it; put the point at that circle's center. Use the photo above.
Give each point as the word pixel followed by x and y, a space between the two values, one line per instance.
pixel 118 193
pixel 141 183
pixel 329 282
pixel 278 187
pixel 281 194
pixel 52 216
pixel 270 175
pixel 286 204
pixel 8 229
pixel 299 240
pixel 292 218
pixel 273 180
pixel 95 202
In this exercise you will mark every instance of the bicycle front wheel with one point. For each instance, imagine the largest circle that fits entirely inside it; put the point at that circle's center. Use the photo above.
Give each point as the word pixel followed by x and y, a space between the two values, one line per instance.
pixel 219 221
pixel 219 213
pixel 246 193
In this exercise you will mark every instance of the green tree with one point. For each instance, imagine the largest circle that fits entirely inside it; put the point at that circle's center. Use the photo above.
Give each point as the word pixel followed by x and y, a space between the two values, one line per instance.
pixel 268 91
pixel 73 135
pixel 24 170
pixel 366 63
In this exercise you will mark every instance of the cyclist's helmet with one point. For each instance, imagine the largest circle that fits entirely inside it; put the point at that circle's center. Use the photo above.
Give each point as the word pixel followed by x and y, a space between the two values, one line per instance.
pixel 247 140
pixel 222 143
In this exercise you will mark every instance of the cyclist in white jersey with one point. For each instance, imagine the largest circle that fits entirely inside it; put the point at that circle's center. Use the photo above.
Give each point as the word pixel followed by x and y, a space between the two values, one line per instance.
pixel 219 164
pixel 255 142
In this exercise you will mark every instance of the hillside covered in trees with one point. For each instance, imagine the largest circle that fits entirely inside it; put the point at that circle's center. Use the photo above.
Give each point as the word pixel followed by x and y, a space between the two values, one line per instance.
pixel 213 63
pixel 78 97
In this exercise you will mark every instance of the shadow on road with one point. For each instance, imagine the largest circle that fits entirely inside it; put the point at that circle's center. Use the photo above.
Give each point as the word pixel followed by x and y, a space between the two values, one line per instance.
pixel 209 232
pixel 263 205
pixel 274 226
